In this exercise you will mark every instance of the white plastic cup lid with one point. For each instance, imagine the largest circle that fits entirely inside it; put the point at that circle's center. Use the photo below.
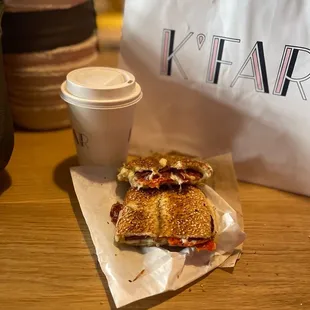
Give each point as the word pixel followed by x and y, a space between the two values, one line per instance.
pixel 100 87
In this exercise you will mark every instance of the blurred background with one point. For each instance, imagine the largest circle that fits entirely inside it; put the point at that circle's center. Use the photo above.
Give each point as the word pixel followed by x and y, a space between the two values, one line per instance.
pixel 109 22
pixel 42 41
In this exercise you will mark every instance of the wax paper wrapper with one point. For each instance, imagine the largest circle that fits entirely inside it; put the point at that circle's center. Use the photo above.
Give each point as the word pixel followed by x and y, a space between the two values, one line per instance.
pixel 134 273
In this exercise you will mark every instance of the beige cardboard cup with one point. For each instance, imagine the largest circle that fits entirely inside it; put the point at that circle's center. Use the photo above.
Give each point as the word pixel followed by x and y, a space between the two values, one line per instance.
pixel 102 104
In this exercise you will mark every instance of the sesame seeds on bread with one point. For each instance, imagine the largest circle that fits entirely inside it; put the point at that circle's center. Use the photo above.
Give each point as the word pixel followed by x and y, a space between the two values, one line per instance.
pixel 150 217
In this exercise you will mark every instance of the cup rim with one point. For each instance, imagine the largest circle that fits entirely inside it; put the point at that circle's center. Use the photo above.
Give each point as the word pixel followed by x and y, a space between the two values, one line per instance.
pixel 95 104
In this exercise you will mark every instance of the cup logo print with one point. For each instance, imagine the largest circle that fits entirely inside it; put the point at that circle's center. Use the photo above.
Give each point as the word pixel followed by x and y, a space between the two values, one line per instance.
pixel 253 67
pixel 81 139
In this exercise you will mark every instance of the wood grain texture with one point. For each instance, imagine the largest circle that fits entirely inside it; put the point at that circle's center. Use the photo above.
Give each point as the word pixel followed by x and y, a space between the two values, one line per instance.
pixel 47 260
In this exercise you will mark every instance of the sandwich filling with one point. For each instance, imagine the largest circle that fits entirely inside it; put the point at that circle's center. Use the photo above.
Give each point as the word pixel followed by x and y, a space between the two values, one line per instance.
pixel 115 211
pixel 200 244
pixel 157 170
pixel 165 217
pixel 166 176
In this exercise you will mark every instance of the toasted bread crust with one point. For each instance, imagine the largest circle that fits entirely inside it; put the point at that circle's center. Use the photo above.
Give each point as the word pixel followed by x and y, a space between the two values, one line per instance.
pixel 139 216
pixel 163 214
pixel 186 214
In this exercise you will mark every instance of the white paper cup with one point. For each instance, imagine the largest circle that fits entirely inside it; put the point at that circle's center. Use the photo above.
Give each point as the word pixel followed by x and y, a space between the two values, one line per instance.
pixel 102 103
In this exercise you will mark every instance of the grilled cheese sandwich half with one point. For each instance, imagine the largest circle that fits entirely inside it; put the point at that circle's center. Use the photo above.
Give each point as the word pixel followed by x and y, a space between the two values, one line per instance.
pixel 157 170
pixel 172 217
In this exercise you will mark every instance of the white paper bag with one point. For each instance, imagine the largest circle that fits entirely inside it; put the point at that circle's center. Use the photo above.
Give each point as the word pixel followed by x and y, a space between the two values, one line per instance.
pixel 224 76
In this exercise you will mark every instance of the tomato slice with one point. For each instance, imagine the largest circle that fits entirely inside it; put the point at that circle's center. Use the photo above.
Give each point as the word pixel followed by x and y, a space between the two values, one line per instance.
pixel 156 182
pixel 175 242
pixel 209 246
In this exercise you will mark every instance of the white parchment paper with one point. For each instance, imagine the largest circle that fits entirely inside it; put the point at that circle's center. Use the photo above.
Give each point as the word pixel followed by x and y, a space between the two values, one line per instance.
pixel 135 273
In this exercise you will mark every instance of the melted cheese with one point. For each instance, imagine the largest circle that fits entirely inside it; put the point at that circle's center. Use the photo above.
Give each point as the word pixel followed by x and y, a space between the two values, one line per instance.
pixel 176 179
pixel 163 162
pixel 123 173
pixel 135 183
pixel 150 177
pixel 179 165
pixel 141 242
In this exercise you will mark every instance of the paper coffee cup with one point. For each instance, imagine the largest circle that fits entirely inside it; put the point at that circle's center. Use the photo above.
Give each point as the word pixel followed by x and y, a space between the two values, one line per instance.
pixel 102 104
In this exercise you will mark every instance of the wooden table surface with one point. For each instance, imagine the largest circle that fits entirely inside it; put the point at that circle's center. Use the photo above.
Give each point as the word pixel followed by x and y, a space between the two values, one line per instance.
pixel 47 260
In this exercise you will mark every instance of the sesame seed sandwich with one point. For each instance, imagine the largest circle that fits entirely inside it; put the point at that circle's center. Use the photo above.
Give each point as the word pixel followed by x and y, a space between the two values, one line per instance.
pixel 165 217
pixel 157 170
